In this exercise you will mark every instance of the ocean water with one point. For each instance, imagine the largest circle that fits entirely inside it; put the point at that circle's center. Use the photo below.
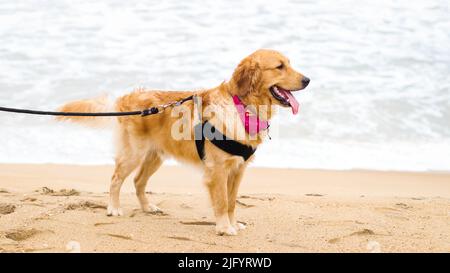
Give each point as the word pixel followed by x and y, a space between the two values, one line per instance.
pixel 379 96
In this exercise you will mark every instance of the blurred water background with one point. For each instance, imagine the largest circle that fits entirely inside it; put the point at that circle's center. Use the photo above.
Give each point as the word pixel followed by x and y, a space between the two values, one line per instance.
pixel 379 96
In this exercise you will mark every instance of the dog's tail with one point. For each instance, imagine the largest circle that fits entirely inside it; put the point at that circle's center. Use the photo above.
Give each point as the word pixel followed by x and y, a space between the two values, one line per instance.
pixel 100 104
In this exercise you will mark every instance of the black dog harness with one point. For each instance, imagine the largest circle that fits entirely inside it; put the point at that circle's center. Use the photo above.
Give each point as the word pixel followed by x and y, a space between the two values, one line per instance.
pixel 206 130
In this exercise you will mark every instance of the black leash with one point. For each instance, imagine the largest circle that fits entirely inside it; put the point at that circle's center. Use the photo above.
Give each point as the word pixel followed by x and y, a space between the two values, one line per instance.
pixel 228 145
pixel 143 113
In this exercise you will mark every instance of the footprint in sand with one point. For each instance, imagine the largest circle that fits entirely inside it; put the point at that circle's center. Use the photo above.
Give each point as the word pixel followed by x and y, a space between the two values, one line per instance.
pixel 386 209
pixel 125 237
pixel 185 206
pixel 7 208
pixel 181 238
pixel 28 199
pixel 362 232
pixel 198 223
pixel 86 204
pixel 63 192
pixel 103 224
pixel 393 212
pixel 139 211
pixel 21 234
pixel 245 205
pixel 403 206
pixel 204 223
pixel 257 198
pixel 314 194
pixel 334 240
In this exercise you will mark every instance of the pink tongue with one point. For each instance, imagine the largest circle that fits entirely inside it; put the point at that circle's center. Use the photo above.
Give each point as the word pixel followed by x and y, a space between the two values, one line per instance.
pixel 292 101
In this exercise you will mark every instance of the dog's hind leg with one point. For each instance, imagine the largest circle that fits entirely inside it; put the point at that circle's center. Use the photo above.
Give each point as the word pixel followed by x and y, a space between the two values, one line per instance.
pixel 127 160
pixel 124 166
pixel 151 163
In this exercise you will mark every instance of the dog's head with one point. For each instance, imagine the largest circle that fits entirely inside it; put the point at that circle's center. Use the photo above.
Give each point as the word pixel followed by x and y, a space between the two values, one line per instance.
pixel 266 77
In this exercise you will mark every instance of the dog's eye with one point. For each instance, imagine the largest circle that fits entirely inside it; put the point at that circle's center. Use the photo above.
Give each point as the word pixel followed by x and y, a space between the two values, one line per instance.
pixel 281 66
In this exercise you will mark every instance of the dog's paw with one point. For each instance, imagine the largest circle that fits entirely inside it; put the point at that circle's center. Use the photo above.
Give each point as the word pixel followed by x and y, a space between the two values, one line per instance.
pixel 150 208
pixel 114 211
pixel 226 230
pixel 239 226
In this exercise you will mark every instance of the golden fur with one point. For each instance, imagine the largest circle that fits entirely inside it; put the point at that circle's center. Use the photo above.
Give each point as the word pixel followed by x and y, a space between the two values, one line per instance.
pixel 144 142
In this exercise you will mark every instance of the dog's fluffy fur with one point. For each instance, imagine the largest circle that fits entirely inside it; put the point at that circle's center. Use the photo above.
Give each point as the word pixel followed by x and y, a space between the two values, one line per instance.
pixel 143 142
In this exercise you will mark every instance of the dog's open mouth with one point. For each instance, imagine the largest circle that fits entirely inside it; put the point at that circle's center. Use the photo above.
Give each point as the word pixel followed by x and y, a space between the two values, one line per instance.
pixel 285 97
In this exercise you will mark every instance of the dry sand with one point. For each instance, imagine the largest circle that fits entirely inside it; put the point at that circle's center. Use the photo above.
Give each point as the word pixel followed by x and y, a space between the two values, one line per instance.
pixel 44 207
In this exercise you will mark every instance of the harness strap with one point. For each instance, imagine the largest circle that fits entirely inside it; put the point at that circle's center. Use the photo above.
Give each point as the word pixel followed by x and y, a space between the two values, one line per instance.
pixel 219 140
pixel 199 140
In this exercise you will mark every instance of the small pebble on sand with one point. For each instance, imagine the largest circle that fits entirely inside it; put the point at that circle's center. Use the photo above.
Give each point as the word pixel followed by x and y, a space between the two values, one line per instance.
pixel 373 247
pixel 73 247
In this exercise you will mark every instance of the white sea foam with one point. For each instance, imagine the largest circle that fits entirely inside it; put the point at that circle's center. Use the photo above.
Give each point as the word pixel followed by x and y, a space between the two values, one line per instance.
pixel 379 96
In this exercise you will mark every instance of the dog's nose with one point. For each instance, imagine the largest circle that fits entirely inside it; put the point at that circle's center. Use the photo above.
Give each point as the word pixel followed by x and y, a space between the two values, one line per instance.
pixel 305 81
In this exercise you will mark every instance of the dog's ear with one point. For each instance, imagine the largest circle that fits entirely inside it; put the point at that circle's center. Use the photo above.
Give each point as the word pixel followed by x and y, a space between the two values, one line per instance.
pixel 246 77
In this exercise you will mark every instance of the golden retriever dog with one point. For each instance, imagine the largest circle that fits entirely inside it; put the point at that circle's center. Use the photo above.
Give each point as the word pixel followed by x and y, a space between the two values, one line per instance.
pixel 264 78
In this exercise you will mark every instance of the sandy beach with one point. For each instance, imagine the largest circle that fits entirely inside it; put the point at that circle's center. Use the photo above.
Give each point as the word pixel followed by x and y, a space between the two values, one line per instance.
pixel 44 207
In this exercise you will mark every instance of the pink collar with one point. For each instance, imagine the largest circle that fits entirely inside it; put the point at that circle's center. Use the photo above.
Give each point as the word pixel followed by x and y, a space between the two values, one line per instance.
pixel 252 123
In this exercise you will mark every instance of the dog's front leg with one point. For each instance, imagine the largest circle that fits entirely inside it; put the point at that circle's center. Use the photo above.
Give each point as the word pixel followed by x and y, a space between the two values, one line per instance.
pixel 234 180
pixel 216 181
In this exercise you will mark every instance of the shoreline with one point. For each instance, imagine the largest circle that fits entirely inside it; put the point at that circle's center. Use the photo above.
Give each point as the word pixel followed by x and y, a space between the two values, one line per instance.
pixel 177 164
